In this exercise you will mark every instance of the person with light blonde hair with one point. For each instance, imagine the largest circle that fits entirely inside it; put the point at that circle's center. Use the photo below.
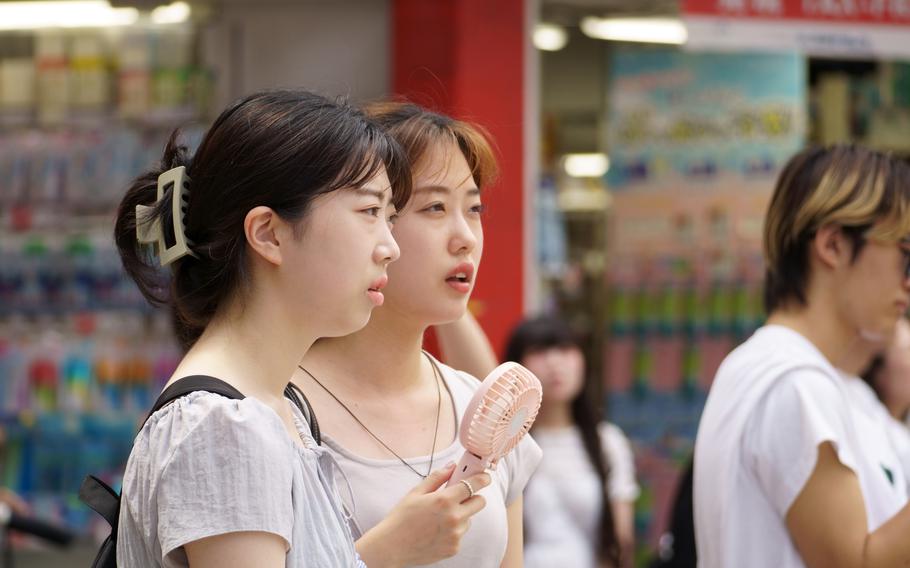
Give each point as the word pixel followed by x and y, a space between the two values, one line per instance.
pixel 784 475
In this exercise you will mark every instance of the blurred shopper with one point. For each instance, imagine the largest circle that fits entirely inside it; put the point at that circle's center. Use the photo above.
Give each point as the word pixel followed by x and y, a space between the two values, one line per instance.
pixel 889 374
pixel 885 390
pixel 276 232
pixel 392 410
pixel 784 475
pixel 587 475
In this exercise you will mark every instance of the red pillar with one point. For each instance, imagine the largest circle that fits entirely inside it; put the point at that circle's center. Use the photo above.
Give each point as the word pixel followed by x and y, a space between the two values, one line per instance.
pixel 466 58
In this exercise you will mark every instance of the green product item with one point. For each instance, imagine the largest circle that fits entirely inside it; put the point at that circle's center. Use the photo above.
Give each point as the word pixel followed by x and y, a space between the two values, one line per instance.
pixel 79 246
pixel 642 368
pixel 757 306
pixel 648 309
pixel 740 308
pixel 901 87
pixel 35 247
pixel 670 309
pixel 720 308
pixel 12 465
pixel 691 363
pixel 171 88
pixel 622 310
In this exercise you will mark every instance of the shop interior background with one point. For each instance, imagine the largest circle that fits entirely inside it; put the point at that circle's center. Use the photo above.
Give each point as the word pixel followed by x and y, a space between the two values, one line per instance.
pixel 640 177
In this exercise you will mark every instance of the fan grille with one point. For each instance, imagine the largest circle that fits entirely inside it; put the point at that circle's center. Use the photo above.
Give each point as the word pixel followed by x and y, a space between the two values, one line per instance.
pixel 515 395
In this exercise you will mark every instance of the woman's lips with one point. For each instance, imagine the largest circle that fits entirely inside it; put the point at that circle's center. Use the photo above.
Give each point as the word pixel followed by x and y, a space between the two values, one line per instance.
pixel 375 290
pixel 460 277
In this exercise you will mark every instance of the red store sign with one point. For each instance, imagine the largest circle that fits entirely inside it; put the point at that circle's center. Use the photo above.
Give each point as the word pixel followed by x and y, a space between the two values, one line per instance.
pixel 842 28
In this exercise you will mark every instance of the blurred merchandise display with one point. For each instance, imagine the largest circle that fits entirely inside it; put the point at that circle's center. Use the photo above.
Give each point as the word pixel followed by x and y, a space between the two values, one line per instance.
pixel 866 102
pixel 74 390
pixel 696 141
pixel 143 75
pixel 82 354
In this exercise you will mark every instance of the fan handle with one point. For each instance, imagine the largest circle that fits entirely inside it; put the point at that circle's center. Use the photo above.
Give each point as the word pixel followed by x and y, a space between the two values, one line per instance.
pixel 468 465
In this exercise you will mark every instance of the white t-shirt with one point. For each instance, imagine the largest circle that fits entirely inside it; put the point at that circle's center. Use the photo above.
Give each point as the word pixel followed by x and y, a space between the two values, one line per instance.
pixel 774 400
pixel 898 434
pixel 890 449
pixel 567 486
pixel 377 485
pixel 206 465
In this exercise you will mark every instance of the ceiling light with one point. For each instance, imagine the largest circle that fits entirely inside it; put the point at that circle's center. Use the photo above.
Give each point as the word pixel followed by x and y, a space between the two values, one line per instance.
pixel 646 30
pixel 593 165
pixel 550 37
pixel 64 14
pixel 175 13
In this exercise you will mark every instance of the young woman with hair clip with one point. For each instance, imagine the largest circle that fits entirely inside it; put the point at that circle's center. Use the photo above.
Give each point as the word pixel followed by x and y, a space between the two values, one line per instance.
pixel 280 236
pixel 588 466
pixel 392 410
pixel 785 474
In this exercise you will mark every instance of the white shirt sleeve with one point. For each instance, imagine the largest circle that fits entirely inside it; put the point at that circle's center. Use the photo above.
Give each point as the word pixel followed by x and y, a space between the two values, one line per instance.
pixel 230 471
pixel 551 537
pixel 803 410
pixel 621 486
pixel 521 463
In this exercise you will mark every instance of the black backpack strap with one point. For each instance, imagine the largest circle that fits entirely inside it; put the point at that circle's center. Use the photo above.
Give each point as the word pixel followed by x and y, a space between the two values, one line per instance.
pixel 102 499
pixel 300 400
pixel 191 384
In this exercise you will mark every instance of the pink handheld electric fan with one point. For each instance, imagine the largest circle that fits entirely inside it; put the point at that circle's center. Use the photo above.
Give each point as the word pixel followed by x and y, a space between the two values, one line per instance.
pixel 500 413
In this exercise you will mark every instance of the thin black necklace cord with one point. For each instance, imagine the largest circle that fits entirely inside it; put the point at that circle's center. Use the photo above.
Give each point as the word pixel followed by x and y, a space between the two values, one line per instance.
pixel 437 375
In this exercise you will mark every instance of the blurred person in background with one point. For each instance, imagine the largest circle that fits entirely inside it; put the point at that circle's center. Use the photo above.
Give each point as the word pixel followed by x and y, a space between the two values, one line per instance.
pixel 889 374
pixel 886 388
pixel 784 475
pixel 392 410
pixel 587 475
pixel 882 397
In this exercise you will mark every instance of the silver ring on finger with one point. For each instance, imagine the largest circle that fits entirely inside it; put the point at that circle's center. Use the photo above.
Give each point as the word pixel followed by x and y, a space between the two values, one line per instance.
pixel 468 485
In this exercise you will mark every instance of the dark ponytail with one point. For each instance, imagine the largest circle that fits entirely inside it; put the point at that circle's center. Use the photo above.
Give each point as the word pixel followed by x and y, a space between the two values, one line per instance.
pixel 278 149
pixel 546 332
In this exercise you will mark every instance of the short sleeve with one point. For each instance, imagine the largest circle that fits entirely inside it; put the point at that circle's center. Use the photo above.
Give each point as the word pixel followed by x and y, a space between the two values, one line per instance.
pixel 803 410
pixel 521 463
pixel 551 536
pixel 622 486
pixel 230 472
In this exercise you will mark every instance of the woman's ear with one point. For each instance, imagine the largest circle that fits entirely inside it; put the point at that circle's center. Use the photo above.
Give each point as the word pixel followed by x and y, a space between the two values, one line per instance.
pixel 830 247
pixel 262 228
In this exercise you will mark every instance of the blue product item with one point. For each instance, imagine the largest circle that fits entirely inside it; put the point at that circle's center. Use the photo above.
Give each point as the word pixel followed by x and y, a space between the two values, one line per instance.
pixel 552 248
pixel 77 376
pixel 107 278
pixel 25 468
pixel 50 181
pixel 18 181
pixel 15 378
pixel 11 280
pixel 79 281
pixel 6 372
